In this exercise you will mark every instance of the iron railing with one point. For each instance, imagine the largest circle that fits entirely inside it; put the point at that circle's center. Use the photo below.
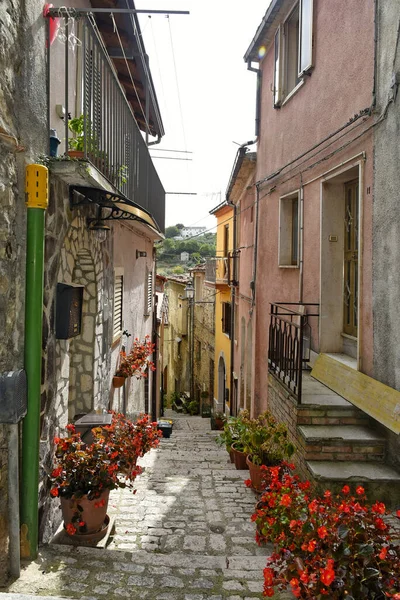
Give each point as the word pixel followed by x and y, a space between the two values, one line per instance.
pixel 210 270
pixel 110 139
pixel 289 343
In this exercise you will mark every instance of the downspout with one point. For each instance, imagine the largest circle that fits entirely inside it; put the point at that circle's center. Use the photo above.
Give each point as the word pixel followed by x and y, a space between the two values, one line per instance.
pixel 301 245
pixel 154 379
pixel 258 97
pixel 233 284
pixel 157 141
pixel 376 29
pixel 253 282
pixel 36 201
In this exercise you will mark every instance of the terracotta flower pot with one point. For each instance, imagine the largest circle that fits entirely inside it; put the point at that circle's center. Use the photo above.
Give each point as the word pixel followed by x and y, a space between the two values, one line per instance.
pixel 118 381
pixel 231 455
pixel 93 514
pixel 255 475
pixel 75 153
pixel 239 459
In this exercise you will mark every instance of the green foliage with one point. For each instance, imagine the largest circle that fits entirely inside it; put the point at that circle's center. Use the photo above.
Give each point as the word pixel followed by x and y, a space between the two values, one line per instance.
pixel 266 440
pixel 171 232
pixel 178 270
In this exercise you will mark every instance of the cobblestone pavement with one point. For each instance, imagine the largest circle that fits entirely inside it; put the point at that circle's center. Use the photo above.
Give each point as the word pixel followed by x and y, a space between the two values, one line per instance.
pixel 185 535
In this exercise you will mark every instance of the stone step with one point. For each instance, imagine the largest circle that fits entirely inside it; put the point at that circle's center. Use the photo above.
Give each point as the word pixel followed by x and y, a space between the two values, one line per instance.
pixel 381 482
pixel 344 443
pixel 327 410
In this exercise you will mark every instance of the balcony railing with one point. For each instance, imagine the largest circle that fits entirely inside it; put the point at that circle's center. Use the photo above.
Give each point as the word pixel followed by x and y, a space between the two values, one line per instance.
pixel 110 138
pixel 290 343
pixel 210 270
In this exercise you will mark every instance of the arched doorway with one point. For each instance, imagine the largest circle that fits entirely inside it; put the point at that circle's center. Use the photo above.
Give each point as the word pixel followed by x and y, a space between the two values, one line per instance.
pixel 221 383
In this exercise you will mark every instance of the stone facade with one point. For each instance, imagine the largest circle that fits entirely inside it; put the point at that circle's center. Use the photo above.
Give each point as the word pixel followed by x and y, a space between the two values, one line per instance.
pixel 204 331
pixel 76 372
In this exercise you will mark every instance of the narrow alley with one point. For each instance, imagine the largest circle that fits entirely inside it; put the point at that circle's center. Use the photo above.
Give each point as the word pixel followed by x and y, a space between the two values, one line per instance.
pixel 185 535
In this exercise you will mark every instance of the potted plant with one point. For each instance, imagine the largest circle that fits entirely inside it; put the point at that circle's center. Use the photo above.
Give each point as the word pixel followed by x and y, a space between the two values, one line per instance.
pixel 135 363
pixel 76 144
pixel 219 419
pixel 339 547
pixel 265 442
pixel 83 474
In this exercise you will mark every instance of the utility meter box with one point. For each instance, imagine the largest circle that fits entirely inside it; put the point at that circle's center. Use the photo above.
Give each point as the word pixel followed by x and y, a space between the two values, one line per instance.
pixel 13 396
pixel 69 303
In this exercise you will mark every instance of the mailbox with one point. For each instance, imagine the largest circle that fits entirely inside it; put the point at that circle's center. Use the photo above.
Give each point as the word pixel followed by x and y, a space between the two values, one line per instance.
pixel 68 310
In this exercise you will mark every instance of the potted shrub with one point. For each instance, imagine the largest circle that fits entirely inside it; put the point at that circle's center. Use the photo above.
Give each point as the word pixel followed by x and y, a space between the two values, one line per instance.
pixel 219 419
pixel 83 474
pixel 135 363
pixel 265 442
pixel 327 547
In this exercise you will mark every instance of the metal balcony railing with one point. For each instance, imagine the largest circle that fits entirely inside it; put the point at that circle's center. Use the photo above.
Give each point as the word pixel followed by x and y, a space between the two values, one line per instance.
pixel 290 343
pixel 110 137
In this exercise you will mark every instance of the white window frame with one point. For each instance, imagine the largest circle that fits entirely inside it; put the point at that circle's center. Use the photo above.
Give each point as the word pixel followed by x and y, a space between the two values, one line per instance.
pixel 118 284
pixel 305 52
pixel 286 231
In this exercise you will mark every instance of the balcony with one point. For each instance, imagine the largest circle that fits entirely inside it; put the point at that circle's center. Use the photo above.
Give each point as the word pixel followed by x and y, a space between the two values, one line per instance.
pixel 290 341
pixel 105 130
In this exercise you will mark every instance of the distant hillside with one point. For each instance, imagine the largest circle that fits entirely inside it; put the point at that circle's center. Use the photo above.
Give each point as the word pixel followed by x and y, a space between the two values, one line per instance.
pixel 169 251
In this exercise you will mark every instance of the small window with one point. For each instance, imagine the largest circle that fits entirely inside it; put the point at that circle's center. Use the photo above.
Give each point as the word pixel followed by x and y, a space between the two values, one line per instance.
pixel 226 318
pixel 289 231
pixel 149 293
pixel 118 302
pixel 293 50
pixel 226 240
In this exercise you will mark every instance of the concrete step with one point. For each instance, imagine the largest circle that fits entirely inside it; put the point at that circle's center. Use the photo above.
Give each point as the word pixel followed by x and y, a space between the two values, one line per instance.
pixel 381 482
pixel 322 406
pixel 344 443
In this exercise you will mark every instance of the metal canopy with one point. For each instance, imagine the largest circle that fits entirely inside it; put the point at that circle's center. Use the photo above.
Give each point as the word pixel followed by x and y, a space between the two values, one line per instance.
pixel 112 207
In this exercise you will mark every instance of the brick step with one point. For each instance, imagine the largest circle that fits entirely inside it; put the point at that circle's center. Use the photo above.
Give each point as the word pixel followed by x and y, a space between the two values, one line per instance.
pixel 332 413
pixel 346 443
pixel 381 482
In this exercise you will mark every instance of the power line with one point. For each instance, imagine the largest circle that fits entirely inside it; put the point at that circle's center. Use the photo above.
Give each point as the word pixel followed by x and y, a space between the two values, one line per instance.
pixel 176 80
pixel 171 158
pixel 165 150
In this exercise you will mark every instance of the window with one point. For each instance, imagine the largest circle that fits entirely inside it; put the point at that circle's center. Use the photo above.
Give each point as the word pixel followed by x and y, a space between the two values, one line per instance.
pixel 226 318
pixel 149 293
pixel 289 230
pixel 226 240
pixel 118 301
pixel 293 50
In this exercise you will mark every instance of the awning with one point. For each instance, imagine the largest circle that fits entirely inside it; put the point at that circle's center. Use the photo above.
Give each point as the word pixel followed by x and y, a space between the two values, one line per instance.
pixel 112 207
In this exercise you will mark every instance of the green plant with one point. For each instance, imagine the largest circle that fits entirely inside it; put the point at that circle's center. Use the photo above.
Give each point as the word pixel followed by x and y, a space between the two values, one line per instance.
pixel 137 360
pixel 234 428
pixel 266 440
pixel 82 130
pixel 193 407
pixel 326 547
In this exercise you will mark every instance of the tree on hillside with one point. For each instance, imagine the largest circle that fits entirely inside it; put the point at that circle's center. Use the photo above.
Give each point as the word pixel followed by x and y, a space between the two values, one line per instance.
pixel 171 231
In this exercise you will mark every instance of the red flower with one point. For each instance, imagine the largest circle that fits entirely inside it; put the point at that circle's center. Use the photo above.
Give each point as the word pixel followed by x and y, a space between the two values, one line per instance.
pixel 247 483
pixel 398 513
pixel 70 427
pixel 360 490
pixel 345 489
pixel 327 576
pixel 82 523
pixel 268 592
pixel 286 500
pixel 312 545
pixel 71 530
pixel 322 532
pixel 54 492
pixel 383 552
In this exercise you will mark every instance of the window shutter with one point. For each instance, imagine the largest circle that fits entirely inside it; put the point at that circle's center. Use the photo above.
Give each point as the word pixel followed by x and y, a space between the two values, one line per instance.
pixel 278 69
pixel 149 295
pixel 118 296
pixel 306 35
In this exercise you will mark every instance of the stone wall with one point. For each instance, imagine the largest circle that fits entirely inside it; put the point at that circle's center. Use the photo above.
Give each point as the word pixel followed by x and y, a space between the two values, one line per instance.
pixel 386 215
pixel 23 136
pixel 76 372
pixel 204 323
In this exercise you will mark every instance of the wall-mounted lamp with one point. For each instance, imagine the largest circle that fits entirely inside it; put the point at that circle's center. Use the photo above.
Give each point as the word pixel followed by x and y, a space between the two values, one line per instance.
pixel 99 228
pixel 189 290
pixel 140 254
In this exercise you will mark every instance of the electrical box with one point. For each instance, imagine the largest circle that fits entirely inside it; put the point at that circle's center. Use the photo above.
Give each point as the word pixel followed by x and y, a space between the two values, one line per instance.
pixel 68 310
pixel 13 396
pixel 86 423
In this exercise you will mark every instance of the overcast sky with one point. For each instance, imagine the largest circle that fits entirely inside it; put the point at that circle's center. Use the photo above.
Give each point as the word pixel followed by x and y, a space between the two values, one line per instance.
pixel 209 104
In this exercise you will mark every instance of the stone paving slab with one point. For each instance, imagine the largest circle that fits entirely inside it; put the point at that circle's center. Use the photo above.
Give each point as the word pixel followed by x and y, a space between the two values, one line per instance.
pixel 185 535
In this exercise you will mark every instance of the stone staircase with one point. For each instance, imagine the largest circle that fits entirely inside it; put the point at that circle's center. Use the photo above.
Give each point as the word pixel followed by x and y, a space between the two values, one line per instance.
pixel 340 444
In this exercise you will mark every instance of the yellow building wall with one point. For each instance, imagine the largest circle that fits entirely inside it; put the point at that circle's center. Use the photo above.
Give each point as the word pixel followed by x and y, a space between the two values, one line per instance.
pixel 222 340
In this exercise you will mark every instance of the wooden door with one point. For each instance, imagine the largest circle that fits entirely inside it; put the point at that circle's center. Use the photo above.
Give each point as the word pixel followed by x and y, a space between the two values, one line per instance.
pixel 350 271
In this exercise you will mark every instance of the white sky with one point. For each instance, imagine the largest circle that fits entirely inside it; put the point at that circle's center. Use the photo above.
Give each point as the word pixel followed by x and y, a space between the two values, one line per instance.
pixel 216 102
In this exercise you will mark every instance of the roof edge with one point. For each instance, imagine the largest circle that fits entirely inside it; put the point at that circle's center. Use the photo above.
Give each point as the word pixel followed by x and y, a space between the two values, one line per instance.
pixel 252 51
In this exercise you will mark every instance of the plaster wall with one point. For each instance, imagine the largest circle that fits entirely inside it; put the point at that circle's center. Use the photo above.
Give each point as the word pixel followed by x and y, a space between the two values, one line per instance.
pixel 204 324
pixel 386 216
pixel 136 320
pixel 344 57
pixel 23 136
pixel 222 346
pixel 176 355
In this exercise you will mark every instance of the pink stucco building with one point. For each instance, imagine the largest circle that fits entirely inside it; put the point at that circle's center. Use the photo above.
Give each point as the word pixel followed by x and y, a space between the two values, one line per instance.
pixel 304 299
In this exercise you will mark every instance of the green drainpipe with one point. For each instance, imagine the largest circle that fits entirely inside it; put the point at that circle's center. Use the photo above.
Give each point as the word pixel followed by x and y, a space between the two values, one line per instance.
pixel 36 202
